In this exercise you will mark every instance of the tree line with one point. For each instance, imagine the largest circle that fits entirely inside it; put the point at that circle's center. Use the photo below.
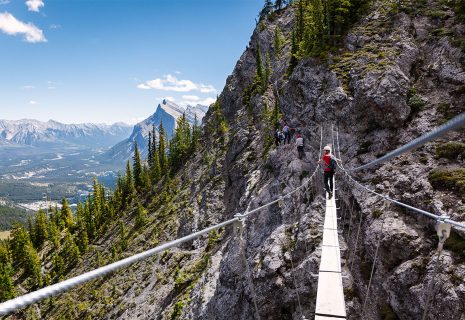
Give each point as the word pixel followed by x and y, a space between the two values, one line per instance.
pixel 65 236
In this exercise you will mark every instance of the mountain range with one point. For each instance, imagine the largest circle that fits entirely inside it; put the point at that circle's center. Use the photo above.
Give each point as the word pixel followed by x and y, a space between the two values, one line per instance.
pixel 36 133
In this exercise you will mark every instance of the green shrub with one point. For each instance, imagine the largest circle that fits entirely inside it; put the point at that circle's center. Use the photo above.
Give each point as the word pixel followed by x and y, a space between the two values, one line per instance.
pixel 451 150
pixel 414 101
pixel 452 179
pixel 377 213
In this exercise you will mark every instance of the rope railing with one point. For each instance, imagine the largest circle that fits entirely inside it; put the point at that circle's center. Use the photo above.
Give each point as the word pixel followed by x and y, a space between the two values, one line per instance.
pixel 455 123
pixel 423 212
pixel 12 305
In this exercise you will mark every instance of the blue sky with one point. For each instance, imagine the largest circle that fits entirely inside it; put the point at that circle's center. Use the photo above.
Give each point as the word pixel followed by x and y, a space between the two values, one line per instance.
pixel 114 60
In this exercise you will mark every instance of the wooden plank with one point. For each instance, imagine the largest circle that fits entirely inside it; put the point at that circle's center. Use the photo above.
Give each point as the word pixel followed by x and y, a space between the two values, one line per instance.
pixel 330 223
pixel 330 295
pixel 330 259
pixel 330 238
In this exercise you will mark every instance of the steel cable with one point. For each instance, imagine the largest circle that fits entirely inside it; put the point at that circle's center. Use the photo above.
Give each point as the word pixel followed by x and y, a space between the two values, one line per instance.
pixel 455 123
pixel 423 212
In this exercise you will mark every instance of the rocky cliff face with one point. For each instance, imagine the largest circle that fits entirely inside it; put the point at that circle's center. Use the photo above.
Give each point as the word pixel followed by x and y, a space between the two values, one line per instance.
pixel 398 75
pixel 396 78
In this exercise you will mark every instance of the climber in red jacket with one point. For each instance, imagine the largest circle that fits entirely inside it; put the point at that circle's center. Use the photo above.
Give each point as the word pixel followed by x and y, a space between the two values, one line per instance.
pixel 329 166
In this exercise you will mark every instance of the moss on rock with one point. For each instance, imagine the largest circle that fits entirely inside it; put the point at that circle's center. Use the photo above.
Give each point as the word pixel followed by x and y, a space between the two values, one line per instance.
pixel 452 179
pixel 451 150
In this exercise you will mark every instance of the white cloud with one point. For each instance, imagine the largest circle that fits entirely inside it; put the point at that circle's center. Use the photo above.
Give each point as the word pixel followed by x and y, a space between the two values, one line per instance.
pixel 10 25
pixel 54 26
pixel 171 83
pixel 207 89
pixel 29 87
pixel 34 5
pixel 206 102
pixel 143 86
pixel 192 98
pixel 52 84
pixel 32 102
pixel 172 99
pixel 4 2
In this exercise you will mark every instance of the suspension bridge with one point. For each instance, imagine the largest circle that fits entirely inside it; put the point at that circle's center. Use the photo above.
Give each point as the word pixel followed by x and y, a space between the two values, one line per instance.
pixel 330 295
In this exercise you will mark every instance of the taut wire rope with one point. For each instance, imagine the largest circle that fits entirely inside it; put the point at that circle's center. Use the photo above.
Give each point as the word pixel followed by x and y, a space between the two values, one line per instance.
pixel 452 124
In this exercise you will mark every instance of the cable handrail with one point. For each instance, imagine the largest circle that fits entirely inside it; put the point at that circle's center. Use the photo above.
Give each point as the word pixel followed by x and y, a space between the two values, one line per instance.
pixel 9 306
pixel 452 124
pixel 423 212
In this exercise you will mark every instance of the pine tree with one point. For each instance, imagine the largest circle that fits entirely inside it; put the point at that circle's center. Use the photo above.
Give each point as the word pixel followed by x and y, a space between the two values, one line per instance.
pixel 32 265
pixel 181 142
pixel 90 221
pixel 129 188
pixel 278 41
pixel 83 242
pixel 279 4
pixel 5 255
pixel 259 76
pixel 53 234
pixel 137 169
pixel 154 167
pixel 162 149
pixel 141 217
pixel 123 241
pixel 196 134
pixel 40 229
pixel 67 214
pixel 7 289
pixel 6 284
pixel 70 252
pixel 266 10
pixel 19 240
pixel 154 144
pixel 299 34
pixel 145 177
pixel 96 204
pixel 58 265
pixel 294 48
pixel 149 150
pixel 31 229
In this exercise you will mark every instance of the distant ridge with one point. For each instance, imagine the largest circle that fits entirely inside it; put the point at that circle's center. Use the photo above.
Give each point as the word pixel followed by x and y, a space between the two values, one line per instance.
pixel 166 112
pixel 37 133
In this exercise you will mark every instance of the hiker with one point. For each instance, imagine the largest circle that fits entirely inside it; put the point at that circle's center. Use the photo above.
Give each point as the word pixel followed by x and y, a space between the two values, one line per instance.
pixel 299 142
pixel 277 137
pixel 281 137
pixel 287 134
pixel 329 166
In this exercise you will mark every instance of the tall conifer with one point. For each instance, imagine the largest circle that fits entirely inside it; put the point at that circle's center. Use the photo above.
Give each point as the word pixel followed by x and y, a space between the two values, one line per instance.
pixel 162 149
pixel 137 168
pixel 67 214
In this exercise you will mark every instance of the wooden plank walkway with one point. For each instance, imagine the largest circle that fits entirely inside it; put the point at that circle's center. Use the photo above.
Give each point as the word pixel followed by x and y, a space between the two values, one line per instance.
pixel 330 302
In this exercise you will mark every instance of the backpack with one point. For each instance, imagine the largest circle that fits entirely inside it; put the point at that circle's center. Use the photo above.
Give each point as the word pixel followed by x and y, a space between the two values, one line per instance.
pixel 332 164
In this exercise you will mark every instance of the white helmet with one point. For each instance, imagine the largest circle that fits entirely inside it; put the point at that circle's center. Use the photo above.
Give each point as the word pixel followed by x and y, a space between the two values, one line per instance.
pixel 327 148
